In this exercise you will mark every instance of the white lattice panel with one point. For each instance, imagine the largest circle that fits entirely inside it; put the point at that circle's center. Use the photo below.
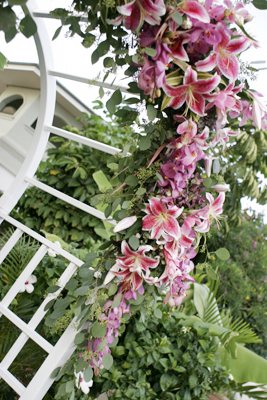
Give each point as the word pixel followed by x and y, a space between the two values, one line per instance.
pixel 59 353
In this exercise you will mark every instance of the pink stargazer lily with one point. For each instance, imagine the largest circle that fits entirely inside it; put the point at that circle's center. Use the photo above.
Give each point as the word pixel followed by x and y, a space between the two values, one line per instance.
pixel 161 219
pixel 195 10
pixel 133 266
pixel 191 91
pixel 137 11
pixel 211 211
pixel 223 54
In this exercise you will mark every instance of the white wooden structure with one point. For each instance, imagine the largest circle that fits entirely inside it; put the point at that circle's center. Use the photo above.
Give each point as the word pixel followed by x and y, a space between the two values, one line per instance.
pixel 58 354
pixel 19 111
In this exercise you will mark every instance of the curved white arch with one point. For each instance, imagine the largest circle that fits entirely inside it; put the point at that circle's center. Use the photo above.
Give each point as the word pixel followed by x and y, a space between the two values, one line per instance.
pixel 46 114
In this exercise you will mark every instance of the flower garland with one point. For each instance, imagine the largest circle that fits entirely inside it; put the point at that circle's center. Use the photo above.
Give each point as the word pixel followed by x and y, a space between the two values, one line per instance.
pixel 187 62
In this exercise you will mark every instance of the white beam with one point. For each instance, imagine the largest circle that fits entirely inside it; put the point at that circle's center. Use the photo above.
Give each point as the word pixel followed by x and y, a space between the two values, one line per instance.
pixel 70 200
pixel 82 140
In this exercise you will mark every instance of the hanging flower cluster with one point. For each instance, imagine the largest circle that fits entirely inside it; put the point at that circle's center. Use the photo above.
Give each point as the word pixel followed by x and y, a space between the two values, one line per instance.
pixel 188 67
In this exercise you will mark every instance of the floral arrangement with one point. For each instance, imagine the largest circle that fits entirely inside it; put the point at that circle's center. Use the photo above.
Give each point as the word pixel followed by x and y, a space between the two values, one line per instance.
pixel 166 189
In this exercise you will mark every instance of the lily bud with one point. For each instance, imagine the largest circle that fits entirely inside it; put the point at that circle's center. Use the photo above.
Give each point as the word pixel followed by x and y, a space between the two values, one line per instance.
pixel 125 223
pixel 221 188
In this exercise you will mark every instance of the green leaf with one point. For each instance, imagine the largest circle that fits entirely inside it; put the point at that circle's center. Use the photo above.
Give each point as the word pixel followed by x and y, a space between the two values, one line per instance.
pixel 151 112
pixel 131 180
pixel 116 301
pixel 144 143
pixel 3 61
pixel 107 361
pixel 95 56
pixel 111 106
pixel 79 338
pixel 52 289
pixel 177 17
pixel 98 330
pixel 141 191
pixel 260 4
pixel 222 254
pixel 113 289
pixel 55 373
pixel 248 367
pixel 88 374
pixel 193 380
pixel 8 19
pixel 158 313
pixel 69 386
pixel 57 32
pixel 117 97
pixel 134 242
pixel 150 51
pixel 211 273
pixel 101 181
pixel 165 381
pixel 28 26
pixel 207 182
pixel 81 291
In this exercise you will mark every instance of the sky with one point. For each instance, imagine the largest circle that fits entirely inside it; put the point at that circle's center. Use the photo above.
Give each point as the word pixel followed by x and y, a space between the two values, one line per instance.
pixel 71 57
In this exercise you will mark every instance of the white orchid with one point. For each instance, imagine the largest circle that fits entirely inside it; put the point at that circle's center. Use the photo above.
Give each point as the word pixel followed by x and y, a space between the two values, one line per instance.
pixel 28 285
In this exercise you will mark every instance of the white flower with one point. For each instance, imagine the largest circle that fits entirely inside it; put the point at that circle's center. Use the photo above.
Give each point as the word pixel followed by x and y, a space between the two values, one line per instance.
pixel 28 285
pixel 53 253
pixel 97 274
pixel 221 188
pixel 184 329
pixel 125 223
pixel 81 383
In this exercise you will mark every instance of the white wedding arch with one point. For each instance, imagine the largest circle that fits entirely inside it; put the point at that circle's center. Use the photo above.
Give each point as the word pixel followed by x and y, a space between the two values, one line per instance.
pixel 59 353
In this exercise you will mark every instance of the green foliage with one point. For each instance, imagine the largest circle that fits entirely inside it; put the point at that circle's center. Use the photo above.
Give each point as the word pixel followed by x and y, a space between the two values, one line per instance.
pixel 11 24
pixel 162 360
pixel 70 168
pixel 243 277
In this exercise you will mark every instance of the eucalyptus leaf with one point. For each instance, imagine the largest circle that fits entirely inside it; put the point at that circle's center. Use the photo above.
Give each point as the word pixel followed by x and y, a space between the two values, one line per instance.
pixel 107 361
pixel 151 112
pixel 222 254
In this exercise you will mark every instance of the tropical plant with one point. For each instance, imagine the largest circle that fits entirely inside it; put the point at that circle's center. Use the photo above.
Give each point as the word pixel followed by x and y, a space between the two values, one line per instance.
pixel 243 276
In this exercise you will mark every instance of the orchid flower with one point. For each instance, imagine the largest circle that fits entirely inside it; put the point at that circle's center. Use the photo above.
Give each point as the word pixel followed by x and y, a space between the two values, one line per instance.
pixel 191 91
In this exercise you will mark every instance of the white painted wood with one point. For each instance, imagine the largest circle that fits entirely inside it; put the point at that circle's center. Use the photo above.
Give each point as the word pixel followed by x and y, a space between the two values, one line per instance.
pixel 10 244
pixel 20 281
pixel 82 140
pixel 37 317
pixel 47 106
pixel 88 81
pixel 41 239
pixel 71 200
pixel 58 357
pixel 12 382
pixel 46 14
pixel 24 327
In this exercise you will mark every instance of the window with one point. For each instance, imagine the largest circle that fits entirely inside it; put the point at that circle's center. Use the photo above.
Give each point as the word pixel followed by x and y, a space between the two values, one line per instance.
pixel 11 104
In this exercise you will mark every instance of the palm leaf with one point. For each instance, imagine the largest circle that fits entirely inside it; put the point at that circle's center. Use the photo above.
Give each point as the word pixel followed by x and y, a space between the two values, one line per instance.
pixel 244 365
